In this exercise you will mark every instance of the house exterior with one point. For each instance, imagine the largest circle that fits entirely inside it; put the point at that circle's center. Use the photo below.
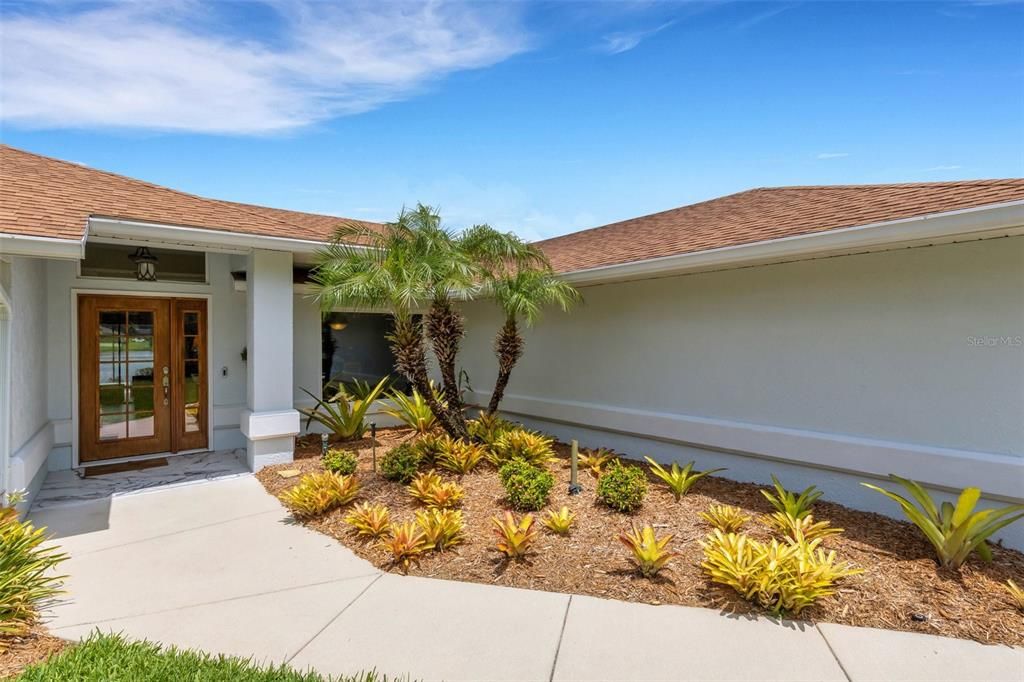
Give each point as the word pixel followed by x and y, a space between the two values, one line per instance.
pixel 829 335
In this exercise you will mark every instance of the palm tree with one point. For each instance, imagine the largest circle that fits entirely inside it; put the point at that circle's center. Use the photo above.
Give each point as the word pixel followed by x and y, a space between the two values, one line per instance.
pixel 401 267
pixel 522 294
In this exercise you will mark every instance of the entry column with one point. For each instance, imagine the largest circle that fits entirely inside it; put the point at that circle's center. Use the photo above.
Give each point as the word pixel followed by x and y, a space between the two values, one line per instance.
pixel 270 423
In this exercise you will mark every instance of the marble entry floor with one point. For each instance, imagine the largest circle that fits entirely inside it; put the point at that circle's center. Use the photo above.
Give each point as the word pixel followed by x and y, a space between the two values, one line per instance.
pixel 70 487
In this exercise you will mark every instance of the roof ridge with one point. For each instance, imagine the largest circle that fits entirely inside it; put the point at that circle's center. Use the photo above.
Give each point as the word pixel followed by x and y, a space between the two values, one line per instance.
pixel 889 185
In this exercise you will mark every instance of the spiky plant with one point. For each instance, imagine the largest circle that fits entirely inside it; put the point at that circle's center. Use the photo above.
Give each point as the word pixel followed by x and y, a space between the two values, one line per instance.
pixel 559 522
pixel 430 490
pixel 413 411
pixel 679 480
pixel 443 528
pixel 343 414
pixel 533 448
pixel 460 456
pixel 797 506
pixel 515 537
pixel 318 493
pixel 596 460
pixel 488 427
pixel 405 542
pixel 805 527
pixel 369 520
pixel 725 518
pixel 647 550
pixel 1016 594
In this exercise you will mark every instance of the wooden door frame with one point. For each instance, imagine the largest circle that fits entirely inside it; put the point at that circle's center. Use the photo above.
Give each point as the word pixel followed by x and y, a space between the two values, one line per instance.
pixel 76 462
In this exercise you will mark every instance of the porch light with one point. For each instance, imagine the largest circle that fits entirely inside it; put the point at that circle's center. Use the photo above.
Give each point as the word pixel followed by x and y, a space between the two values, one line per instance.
pixel 145 264
pixel 338 323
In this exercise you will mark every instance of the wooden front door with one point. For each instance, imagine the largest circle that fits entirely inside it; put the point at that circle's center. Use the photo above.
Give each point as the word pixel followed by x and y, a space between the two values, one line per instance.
pixel 142 376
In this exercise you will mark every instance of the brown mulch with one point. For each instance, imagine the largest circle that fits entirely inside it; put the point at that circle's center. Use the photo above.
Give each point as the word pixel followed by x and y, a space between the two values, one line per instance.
pixel 17 653
pixel 901 588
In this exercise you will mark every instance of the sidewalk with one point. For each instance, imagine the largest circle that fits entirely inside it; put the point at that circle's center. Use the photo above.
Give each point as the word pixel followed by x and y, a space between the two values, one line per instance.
pixel 215 566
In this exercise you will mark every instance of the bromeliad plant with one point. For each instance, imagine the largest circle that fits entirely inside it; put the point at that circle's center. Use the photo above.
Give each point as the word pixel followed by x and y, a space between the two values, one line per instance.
pixel 459 456
pixel 405 542
pixel 430 490
pixel 804 528
pixel 595 461
pixel 443 528
pixel 679 480
pixel 559 522
pixel 26 571
pixel 533 448
pixel 413 411
pixel 319 493
pixel 514 537
pixel 488 427
pixel 783 577
pixel 797 506
pixel 369 520
pixel 725 518
pixel 647 550
pixel 954 531
pixel 342 414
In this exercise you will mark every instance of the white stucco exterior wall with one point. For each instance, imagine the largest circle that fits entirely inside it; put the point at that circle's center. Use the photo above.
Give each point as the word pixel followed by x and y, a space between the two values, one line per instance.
pixel 31 436
pixel 904 361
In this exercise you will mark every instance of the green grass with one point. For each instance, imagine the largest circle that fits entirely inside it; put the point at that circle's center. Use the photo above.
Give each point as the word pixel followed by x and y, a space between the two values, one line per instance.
pixel 111 658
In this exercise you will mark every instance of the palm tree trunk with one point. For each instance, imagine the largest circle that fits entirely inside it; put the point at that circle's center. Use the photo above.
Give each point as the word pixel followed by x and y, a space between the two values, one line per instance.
pixel 411 360
pixel 508 346
pixel 446 328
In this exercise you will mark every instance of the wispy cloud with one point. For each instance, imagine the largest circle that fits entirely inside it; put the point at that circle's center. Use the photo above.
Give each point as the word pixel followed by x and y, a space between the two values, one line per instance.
pixel 943 168
pixel 166 66
pixel 831 155
pixel 624 41
pixel 756 19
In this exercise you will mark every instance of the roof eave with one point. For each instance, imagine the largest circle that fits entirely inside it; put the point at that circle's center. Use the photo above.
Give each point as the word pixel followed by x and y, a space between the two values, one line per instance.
pixel 31 246
pixel 196 237
pixel 1003 219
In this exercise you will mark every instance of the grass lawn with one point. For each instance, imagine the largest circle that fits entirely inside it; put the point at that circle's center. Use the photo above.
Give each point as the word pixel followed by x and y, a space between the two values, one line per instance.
pixel 111 658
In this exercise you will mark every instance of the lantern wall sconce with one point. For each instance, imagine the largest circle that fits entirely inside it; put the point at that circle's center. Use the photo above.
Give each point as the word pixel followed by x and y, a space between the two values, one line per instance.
pixel 145 264
pixel 338 323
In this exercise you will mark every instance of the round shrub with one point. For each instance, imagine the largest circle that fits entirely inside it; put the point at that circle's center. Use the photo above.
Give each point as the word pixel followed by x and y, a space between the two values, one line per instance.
pixel 340 461
pixel 622 487
pixel 401 463
pixel 526 486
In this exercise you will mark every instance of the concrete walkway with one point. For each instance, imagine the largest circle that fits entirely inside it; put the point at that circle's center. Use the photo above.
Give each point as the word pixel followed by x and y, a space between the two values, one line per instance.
pixel 217 566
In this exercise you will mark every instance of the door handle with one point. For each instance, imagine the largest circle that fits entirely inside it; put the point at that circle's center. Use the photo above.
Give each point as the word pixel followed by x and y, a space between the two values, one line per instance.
pixel 167 386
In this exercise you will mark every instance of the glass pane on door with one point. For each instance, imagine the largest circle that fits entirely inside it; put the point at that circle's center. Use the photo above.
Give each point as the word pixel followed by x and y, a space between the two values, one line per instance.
pixel 126 387
pixel 192 364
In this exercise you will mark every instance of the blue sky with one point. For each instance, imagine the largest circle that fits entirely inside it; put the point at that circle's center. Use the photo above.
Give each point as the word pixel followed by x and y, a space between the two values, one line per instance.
pixel 541 118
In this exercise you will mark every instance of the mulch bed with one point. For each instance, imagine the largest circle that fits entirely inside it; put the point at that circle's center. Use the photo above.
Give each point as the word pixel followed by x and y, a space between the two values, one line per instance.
pixel 17 653
pixel 901 588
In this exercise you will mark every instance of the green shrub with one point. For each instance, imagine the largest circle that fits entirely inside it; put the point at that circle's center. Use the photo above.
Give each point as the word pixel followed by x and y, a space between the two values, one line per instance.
pixel 340 461
pixel 401 463
pixel 26 575
pixel 622 487
pixel 111 658
pixel 526 486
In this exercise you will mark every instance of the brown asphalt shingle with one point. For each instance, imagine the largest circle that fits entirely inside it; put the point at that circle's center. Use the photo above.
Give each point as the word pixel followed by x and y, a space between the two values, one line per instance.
pixel 768 213
pixel 41 196
pixel 45 197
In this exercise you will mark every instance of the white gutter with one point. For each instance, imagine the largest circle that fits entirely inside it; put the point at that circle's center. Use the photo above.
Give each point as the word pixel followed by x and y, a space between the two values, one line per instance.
pixel 177 235
pixel 1005 219
pixel 41 247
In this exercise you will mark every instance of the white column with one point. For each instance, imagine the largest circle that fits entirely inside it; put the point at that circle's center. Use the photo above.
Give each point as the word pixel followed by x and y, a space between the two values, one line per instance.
pixel 270 423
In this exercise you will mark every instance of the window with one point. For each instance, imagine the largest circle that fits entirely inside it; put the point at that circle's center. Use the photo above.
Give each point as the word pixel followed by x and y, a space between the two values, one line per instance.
pixel 114 261
pixel 355 348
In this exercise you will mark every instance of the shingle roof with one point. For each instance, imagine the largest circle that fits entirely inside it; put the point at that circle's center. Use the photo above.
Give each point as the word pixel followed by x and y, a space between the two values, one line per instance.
pixel 46 197
pixel 767 213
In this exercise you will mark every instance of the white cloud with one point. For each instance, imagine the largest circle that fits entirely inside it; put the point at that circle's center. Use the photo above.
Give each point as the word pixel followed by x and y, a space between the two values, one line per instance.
pixel 943 168
pixel 832 155
pixel 172 66
pixel 617 43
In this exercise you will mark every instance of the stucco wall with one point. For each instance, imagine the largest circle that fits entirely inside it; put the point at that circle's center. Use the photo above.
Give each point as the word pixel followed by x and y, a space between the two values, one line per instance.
pixel 893 361
pixel 31 437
